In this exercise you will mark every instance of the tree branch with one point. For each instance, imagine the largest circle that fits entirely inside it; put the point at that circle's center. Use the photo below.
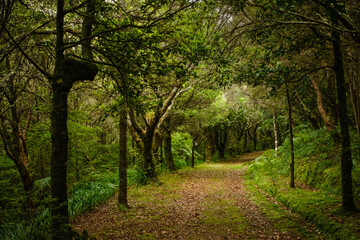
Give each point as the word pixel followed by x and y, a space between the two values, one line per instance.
pixel 135 125
pixel 45 73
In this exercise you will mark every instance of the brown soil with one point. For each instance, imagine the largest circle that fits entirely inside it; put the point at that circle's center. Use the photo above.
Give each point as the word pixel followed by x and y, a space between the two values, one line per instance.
pixel 208 202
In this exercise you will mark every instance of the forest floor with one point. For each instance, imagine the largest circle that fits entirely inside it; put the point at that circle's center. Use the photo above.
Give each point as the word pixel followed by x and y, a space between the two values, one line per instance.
pixel 211 201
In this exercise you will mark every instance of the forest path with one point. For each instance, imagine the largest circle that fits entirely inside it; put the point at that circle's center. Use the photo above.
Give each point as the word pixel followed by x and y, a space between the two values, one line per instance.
pixel 208 202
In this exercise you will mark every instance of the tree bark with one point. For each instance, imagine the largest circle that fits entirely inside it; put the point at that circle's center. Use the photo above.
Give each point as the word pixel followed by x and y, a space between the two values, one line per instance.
pixel 15 144
pixel 86 29
pixel 292 161
pixel 354 89
pixel 161 152
pixel 313 122
pixel 275 134
pixel 122 197
pixel 208 148
pixel 245 141
pixel 255 136
pixel 147 155
pixel 67 71
pixel 153 125
pixel 58 169
pixel 221 134
pixel 193 153
pixel 167 147
pixel 133 150
pixel 168 152
pixel 346 161
pixel 330 126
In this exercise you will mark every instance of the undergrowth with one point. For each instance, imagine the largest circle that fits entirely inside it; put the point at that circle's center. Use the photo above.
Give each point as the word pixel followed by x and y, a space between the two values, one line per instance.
pixel 84 196
pixel 318 187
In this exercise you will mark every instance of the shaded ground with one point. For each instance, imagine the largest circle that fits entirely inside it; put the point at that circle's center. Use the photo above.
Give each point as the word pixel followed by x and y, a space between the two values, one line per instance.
pixel 208 202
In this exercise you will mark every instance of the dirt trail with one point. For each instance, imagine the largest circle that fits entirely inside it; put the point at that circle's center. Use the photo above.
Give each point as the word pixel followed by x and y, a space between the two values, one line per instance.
pixel 209 202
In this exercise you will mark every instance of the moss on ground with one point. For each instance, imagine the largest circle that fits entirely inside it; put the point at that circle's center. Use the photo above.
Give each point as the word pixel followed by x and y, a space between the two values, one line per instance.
pixel 316 206
pixel 280 215
pixel 223 212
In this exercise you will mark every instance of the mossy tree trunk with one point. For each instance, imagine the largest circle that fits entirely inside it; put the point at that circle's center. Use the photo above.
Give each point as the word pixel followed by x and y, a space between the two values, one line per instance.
pixel 167 146
pixel 208 143
pixel 122 198
pixel 152 128
pixel 276 139
pixel 67 71
pixel 292 160
pixel 13 135
pixel 58 169
pixel 253 136
pixel 245 141
pixel 346 161
pixel 221 137
pixel 147 155
pixel 196 141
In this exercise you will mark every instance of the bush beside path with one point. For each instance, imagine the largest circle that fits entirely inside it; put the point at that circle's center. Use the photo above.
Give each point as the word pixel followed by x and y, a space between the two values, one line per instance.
pixel 210 201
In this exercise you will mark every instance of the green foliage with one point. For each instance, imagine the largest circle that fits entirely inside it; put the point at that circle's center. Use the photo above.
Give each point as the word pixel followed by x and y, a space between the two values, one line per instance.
pixel 12 197
pixel 87 196
pixel 10 231
pixel 181 149
pixel 181 145
pixel 137 176
pixel 36 229
pixel 317 165
pixel 316 160
pixel 318 207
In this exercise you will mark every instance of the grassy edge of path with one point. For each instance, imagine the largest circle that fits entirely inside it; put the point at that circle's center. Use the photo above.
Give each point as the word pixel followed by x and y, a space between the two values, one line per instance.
pixel 317 207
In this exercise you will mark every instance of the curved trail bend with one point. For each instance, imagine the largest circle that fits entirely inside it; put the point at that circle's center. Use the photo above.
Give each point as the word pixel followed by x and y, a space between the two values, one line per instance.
pixel 208 202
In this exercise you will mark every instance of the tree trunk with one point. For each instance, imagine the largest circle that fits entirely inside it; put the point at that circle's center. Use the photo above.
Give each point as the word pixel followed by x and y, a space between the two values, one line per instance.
pixel 67 71
pixel 157 140
pixel 221 153
pixel 245 141
pixel 292 161
pixel 325 117
pixel 59 157
pixel 133 150
pixel 255 136
pixel 208 148
pixel 279 136
pixel 354 89
pixel 313 122
pixel 275 134
pixel 147 155
pixel 161 152
pixel 14 141
pixel 346 161
pixel 354 92
pixel 221 134
pixel 193 153
pixel 122 198
pixel 16 150
pixel 168 152
pixel 330 126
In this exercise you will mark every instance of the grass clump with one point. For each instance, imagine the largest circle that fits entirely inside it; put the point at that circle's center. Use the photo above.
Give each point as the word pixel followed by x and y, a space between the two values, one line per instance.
pixel 87 197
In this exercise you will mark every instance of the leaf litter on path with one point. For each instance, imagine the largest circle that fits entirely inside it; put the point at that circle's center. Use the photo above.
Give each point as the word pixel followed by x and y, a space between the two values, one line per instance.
pixel 208 202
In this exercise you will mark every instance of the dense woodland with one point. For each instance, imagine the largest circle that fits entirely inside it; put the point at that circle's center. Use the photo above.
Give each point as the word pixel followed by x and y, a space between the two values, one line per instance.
pixel 97 96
